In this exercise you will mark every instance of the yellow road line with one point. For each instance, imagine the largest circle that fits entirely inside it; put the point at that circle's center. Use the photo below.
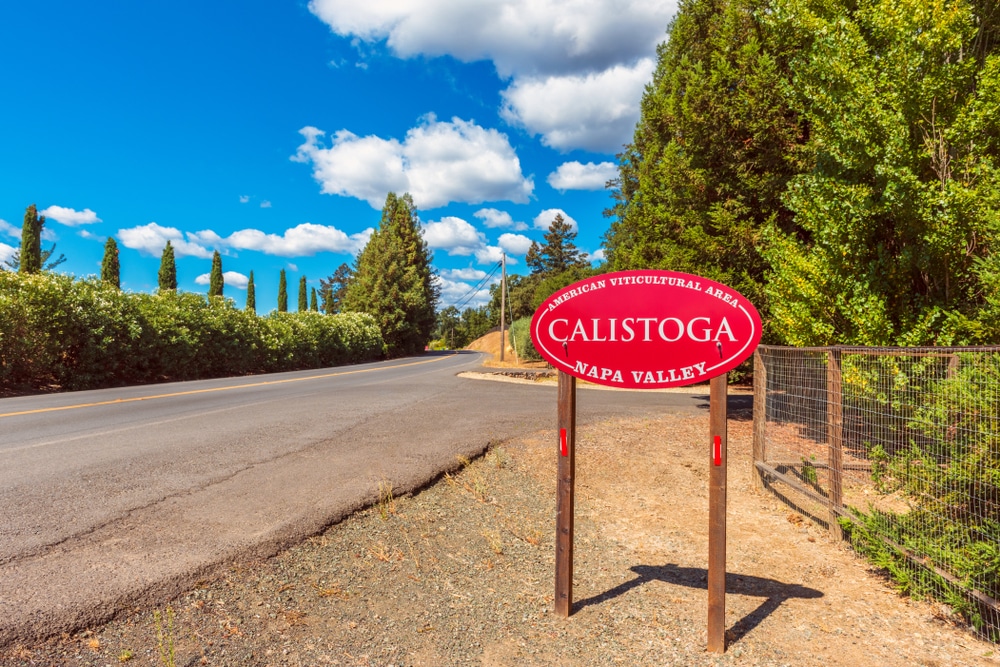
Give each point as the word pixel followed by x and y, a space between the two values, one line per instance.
pixel 227 388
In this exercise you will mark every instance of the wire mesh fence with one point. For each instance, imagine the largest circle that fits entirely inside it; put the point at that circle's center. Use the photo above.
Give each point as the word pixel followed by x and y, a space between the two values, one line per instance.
pixel 897 450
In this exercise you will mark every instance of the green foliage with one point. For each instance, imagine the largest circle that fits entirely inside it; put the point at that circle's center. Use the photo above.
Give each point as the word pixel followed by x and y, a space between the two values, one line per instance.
pixel 303 295
pixel 168 269
pixel 900 210
pixel 313 302
pixel 838 162
pixel 520 332
pixel 251 295
pixel 454 330
pixel 332 289
pixel 282 292
pixel 110 266
pixel 715 146
pixel 393 280
pixel 83 334
pixel 31 241
pixel 942 454
pixel 558 253
pixel 216 282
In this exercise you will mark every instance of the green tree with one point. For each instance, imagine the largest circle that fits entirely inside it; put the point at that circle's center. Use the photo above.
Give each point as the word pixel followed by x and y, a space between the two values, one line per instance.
pixel 717 142
pixel 282 292
pixel 313 302
pixel 215 280
pixel 303 295
pixel 393 280
pixel 47 263
pixel 901 206
pixel 558 253
pixel 31 241
pixel 168 269
pixel 110 266
pixel 332 289
pixel 251 295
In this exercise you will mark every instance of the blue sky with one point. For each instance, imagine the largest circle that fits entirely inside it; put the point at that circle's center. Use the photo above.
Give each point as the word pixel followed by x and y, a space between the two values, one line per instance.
pixel 271 131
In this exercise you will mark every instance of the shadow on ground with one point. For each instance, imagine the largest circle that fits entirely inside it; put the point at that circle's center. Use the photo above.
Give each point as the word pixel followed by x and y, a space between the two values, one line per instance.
pixel 774 592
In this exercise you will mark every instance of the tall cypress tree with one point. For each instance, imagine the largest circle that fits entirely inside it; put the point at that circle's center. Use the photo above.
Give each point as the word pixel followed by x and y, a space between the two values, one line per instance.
pixel 251 296
pixel 282 292
pixel 313 303
pixel 31 241
pixel 393 280
pixel 110 266
pixel 215 279
pixel 303 295
pixel 168 269
pixel 559 252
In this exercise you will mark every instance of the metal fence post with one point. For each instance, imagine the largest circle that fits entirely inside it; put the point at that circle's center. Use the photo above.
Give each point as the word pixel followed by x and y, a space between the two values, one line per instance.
pixel 759 419
pixel 835 439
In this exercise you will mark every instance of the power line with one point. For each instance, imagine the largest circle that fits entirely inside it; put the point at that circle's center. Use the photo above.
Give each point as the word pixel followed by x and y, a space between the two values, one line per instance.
pixel 468 296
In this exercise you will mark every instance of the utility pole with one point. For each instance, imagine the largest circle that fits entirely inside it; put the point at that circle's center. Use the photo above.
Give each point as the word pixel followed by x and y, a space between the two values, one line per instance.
pixel 503 299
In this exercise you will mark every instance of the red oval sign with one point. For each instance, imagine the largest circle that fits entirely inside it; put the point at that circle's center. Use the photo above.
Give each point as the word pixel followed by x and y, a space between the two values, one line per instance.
pixel 646 329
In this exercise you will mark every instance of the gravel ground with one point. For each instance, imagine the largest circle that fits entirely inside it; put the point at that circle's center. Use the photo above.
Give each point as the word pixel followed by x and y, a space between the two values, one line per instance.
pixel 461 573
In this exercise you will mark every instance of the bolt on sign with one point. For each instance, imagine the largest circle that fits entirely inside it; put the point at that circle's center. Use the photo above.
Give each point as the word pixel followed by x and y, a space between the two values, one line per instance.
pixel 646 330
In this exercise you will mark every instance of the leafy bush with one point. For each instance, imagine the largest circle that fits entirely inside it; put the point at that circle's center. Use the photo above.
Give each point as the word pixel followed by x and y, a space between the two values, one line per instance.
pixel 83 334
pixel 520 331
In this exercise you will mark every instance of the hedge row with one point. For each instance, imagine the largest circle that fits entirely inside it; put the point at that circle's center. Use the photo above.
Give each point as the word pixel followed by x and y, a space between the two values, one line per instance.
pixel 82 334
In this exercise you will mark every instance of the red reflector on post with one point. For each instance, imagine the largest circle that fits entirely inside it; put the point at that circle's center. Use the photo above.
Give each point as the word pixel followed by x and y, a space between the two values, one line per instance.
pixel 717 451
pixel 562 442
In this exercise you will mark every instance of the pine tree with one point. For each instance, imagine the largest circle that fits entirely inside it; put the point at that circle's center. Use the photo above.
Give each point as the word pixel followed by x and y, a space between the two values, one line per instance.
pixel 313 303
pixel 215 279
pixel 110 266
pixel 251 306
pixel 559 252
pixel 282 292
pixel 31 241
pixel 303 295
pixel 332 289
pixel 393 280
pixel 168 269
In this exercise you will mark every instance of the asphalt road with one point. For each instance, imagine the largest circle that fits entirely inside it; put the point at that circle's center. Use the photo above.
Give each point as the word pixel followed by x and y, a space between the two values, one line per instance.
pixel 120 498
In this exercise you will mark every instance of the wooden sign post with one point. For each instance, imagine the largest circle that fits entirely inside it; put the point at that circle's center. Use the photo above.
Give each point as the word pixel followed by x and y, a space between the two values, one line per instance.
pixel 646 330
pixel 564 494
pixel 718 390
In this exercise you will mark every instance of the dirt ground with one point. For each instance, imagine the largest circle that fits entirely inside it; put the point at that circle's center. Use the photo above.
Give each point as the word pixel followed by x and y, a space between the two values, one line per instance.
pixel 462 574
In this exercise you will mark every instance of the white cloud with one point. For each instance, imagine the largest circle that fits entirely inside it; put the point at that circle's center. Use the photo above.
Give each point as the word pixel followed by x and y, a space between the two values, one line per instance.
pixel 459 238
pixel 545 218
pixel 244 199
pixel 577 176
pixel 150 239
pixel 593 111
pixel 265 204
pixel 492 217
pixel 463 274
pixel 8 229
pixel 294 268
pixel 598 255
pixel 457 293
pixel 514 244
pixel 229 279
pixel 70 217
pixel 438 163
pixel 519 36
pixel 302 240
pixel 453 235
pixel 87 234
pixel 6 252
pixel 576 67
